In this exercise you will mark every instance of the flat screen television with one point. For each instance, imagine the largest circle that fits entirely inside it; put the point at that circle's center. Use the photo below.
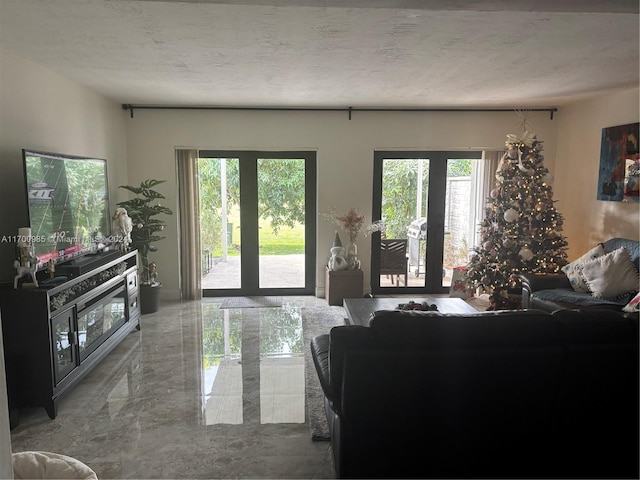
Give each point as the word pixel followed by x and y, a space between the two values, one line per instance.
pixel 68 204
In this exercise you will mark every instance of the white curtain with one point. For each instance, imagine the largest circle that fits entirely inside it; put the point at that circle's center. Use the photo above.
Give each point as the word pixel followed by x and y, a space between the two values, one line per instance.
pixel 491 163
pixel 189 237
pixel 484 180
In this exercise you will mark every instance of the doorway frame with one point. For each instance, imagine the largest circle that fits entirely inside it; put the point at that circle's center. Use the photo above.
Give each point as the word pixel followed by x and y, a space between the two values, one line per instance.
pixel 249 245
pixel 435 220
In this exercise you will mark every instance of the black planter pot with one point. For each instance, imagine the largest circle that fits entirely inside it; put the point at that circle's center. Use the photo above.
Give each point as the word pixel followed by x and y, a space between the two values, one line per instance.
pixel 149 298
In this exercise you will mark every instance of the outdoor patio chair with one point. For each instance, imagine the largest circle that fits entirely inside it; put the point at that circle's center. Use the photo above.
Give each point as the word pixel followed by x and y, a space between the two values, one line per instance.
pixel 393 258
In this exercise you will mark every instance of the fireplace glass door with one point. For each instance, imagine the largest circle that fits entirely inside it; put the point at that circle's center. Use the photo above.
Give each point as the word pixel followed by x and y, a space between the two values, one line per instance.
pixel 63 340
pixel 100 317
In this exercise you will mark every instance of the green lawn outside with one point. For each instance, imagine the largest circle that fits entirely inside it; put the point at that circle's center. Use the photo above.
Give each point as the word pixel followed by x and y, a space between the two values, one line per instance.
pixel 288 241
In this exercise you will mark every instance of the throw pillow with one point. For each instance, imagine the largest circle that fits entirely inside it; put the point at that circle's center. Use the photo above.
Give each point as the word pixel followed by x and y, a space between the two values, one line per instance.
pixel 612 275
pixel 633 305
pixel 573 270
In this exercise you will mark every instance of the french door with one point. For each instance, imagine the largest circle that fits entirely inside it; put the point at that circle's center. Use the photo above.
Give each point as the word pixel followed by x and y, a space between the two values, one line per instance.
pixel 257 222
pixel 429 203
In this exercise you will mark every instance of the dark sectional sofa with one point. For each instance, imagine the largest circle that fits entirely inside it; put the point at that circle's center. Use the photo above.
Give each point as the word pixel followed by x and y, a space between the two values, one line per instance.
pixel 550 292
pixel 508 394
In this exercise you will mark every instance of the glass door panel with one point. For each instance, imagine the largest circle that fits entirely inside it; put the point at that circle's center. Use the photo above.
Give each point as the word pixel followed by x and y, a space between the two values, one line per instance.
pixel 405 190
pixel 63 344
pixel 427 202
pixel 220 217
pixel 460 210
pixel 281 220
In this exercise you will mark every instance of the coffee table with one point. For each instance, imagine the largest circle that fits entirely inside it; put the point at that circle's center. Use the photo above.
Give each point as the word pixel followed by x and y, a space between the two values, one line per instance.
pixel 359 309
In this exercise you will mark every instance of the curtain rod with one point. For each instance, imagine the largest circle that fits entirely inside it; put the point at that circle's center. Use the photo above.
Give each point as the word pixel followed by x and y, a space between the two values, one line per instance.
pixel 131 108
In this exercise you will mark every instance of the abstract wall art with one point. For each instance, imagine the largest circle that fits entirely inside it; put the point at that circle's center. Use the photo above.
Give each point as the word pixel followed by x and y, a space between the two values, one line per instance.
pixel 619 175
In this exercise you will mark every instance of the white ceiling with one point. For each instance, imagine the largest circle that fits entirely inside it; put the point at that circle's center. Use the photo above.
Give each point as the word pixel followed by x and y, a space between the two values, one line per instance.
pixel 332 53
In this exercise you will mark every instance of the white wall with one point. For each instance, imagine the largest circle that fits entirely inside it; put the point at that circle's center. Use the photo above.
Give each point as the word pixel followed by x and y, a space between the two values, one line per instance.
pixel 588 220
pixel 42 110
pixel 344 153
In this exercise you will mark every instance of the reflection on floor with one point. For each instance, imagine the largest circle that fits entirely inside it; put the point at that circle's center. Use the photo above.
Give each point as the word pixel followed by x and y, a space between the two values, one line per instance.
pixel 199 392
pixel 280 357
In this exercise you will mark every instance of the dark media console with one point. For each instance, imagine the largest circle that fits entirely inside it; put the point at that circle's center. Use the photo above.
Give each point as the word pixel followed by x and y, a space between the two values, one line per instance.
pixel 55 334
pixel 81 265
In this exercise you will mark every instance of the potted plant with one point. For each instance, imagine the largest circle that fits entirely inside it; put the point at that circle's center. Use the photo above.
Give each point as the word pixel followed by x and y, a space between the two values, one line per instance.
pixel 144 235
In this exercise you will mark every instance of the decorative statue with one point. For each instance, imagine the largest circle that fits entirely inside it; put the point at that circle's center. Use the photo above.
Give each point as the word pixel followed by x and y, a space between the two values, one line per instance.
pixel 29 268
pixel 27 262
pixel 122 226
pixel 153 273
pixel 338 260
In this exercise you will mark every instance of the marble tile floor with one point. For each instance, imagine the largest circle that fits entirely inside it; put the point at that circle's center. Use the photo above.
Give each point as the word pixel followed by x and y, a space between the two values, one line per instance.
pixel 198 392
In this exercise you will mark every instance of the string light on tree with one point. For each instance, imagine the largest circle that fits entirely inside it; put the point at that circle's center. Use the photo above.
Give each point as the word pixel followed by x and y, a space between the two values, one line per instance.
pixel 521 231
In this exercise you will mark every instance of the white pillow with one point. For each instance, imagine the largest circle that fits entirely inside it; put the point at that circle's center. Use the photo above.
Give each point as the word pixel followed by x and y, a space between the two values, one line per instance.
pixel 611 275
pixel 34 464
pixel 573 270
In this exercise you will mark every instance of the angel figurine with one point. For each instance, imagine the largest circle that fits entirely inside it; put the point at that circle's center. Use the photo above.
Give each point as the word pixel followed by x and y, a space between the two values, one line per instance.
pixel 122 227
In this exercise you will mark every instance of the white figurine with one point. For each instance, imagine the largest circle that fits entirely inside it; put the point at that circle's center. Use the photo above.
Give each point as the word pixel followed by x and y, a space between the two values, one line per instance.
pixel 28 266
pixel 27 262
pixel 122 227
pixel 338 260
pixel 153 273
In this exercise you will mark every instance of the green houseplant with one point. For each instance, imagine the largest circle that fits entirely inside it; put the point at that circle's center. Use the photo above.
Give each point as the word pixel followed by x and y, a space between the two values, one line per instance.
pixel 143 213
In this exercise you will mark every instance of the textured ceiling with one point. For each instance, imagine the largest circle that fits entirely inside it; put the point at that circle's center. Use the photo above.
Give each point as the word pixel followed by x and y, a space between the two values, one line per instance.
pixel 332 53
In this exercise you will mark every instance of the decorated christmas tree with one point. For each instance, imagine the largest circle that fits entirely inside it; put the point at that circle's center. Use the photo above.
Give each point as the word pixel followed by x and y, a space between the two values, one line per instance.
pixel 521 231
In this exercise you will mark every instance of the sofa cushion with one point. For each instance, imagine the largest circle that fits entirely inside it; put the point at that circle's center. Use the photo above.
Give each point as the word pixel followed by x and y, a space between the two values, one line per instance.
pixel 632 245
pixel 596 327
pixel 435 330
pixel 580 300
pixel 573 270
pixel 612 275
pixel 341 339
pixel 448 413
pixel 602 366
pixel 320 353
